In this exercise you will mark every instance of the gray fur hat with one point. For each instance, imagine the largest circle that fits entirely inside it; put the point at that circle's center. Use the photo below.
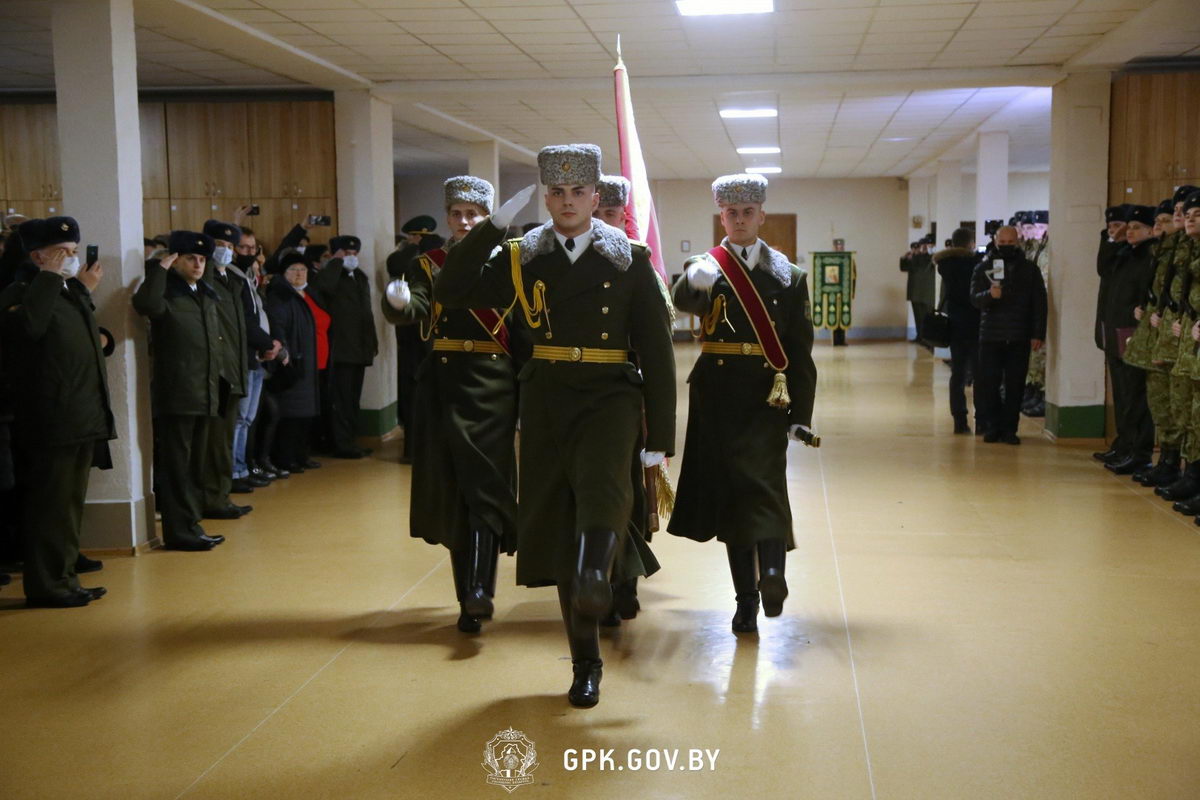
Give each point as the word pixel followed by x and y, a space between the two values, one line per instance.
pixel 741 188
pixel 614 191
pixel 569 164
pixel 469 189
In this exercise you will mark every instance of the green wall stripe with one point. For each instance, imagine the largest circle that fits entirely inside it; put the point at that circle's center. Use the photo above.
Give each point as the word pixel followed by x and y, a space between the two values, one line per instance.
pixel 1075 422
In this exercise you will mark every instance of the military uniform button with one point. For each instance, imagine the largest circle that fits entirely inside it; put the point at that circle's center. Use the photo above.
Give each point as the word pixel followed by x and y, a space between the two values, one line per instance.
pixel 445 360
pixel 469 346
pixel 576 354
pixel 720 362
pixel 607 284
pixel 746 348
pixel 766 365
pixel 445 319
pixel 549 335
pixel 495 357
pixel 604 310
pixel 604 336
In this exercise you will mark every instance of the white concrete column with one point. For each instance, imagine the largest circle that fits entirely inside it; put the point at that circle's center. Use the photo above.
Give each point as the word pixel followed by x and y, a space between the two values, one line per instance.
pixel 95 75
pixel 920 204
pixel 1078 193
pixel 949 199
pixel 483 161
pixel 991 179
pixel 366 209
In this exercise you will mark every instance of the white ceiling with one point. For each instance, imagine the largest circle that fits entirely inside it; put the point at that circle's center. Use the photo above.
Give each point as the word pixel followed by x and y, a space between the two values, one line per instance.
pixel 539 71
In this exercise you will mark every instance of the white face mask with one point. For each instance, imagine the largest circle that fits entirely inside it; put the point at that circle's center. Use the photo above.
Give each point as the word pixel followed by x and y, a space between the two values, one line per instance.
pixel 301 287
pixel 350 262
pixel 300 249
pixel 70 267
pixel 222 256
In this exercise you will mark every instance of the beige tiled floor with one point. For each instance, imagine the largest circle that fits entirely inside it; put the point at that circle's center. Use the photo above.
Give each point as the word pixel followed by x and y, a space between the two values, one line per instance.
pixel 966 621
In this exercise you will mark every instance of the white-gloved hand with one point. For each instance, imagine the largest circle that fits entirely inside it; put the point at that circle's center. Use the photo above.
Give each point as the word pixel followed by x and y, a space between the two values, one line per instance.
pixel 794 431
pixel 398 294
pixel 503 216
pixel 652 458
pixel 702 274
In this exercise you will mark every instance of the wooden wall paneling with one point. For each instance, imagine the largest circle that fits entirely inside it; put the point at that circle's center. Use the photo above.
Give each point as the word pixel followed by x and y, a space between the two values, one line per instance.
pixel 1168 114
pixel 1140 109
pixel 153 128
pixel 276 217
pixel 291 149
pixel 207 150
pixel 1187 138
pixel 1118 135
pixel 315 172
pixel 190 214
pixel 34 208
pixel 31 164
pixel 271 144
pixel 156 217
pixel 1116 192
pixel 322 206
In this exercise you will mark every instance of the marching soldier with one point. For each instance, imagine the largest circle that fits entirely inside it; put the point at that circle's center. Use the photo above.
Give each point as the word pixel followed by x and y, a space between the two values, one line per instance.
pixel 752 389
pixel 588 297
pixel 185 333
pixel 464 466
pixel 54 354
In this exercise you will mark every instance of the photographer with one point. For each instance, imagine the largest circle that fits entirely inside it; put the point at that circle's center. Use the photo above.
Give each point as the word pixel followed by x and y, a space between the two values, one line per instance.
pixel 1009 292
pixel 919 290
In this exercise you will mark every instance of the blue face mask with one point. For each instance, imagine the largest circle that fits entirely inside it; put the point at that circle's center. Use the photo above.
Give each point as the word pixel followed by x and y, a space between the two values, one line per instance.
pixel 350 262
pixel 70 267
pixel 222 256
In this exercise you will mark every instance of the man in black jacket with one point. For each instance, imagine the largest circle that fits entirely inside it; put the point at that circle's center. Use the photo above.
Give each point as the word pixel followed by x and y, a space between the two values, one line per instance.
pixel 1128 280
pixel 919 289
pixel 344 291
pixel 1011 295
pixel 54 355
pixel 956 265
pixel 419 237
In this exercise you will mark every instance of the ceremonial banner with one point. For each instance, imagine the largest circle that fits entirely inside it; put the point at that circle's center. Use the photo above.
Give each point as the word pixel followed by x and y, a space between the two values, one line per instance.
pixel 834 276
pixel 641 221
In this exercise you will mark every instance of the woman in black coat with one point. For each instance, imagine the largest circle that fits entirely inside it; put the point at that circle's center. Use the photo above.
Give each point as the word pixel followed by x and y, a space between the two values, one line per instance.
pixel 294 383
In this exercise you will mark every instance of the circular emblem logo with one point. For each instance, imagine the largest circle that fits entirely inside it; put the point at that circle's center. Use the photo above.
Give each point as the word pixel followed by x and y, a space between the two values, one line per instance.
pixel 746 348
pixel 576 354
pixel 66 227
pixel 468 345
pixel 566 167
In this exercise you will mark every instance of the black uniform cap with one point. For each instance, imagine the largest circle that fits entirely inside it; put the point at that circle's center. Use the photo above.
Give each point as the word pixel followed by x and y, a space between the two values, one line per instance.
pixel 38 233
pixel 1142 214
pixel 345 243
pixel 225 231
pixel 186 243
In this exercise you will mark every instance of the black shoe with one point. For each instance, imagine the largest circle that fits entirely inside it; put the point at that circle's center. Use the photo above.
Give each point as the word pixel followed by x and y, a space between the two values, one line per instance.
pixel 93 592
pixel 241 486
pixel 1128 466
pixel 467 623
pixel 1105 455
pixel 351 453
pixel 961 426
pixel 991 437
pixel 1189 507
pixel 230 511
pixel 293 468
pixel 257 482
pixel 1164 473
pixel 311 464
pixel 745 619
pixel 585 688
pixel 613 620
pixel 270 467
pixel 84 564
pixel 1185 488
pixel 5 579
pixel 1010 438
pixel 262 474
pixel 193 544
pixel 68 600
pixel 625 599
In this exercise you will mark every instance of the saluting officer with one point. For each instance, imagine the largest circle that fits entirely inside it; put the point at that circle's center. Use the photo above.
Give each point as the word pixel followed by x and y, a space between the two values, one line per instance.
pixel 54 367
pixel 753 388
pixel 464 466
pixel 589 297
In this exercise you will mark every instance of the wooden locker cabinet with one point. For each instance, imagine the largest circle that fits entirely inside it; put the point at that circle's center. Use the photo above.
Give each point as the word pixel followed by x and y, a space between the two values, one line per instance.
pixel 291 149
pixel 156 217
pixel 207 152
pixel 153 126
pixel 31 166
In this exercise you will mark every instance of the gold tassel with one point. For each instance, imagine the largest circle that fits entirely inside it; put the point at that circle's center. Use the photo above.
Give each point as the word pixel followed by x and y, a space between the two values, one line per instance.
pixel 779 397
pixel 666 495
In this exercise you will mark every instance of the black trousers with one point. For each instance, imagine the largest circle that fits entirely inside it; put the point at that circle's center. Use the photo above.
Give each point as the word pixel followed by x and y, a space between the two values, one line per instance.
pixel 291 441
pixel 1001 364
pixel 345 392
pixel 410 351
pixel 919 312
pixel 54 482
pixel 218 462
pixel 1135 428
pixel 964 361
pixel 179 469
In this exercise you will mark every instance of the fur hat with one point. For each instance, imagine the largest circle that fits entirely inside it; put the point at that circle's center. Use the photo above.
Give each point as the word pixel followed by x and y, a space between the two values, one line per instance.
pixel 1165 207
pixel 1116 213
pixel 569 165
pixel 38 233
pixel 345 243
pixel 191 243
pixel 730 190
pixel 423 224
pixel 291 257
pixel 1192 201
pixel 614 191
pixel 1142 214
pixel 225 231
pixel 1181 194
pixel 469 189
pixel 1042 217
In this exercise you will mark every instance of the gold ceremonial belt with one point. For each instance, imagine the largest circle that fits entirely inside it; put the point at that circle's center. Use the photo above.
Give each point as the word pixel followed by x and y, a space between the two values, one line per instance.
pixel 467 346
pixel 586 355
pixel 731 348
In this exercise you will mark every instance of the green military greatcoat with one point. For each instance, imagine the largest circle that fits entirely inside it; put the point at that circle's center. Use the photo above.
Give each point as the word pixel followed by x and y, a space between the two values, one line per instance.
pixel 733 482
pixel 464 463
pixel 579 420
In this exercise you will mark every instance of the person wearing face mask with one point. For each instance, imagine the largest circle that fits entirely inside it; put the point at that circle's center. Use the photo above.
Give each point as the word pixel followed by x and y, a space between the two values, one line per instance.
pixel 186 331
pixel 62 422
pixel 231 355
pixel 1009 292
pixel 752 391
pixel 464 464
pixel 295 382
pixel 344 291
pixel 588 297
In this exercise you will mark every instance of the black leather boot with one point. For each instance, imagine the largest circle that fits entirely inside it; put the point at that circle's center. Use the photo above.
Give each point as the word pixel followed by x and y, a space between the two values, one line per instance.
pixel 459 566
pixel 961 426
pixel 1147 477
pixel 1167 471
pixel 625 599
pixel 772 585
pixel 1187 487
pixel 584 640
pixel 743 568
pixel 1128 465
pixel 481 574
pixel 1105 455
pixel 1189 507
pixel 591 592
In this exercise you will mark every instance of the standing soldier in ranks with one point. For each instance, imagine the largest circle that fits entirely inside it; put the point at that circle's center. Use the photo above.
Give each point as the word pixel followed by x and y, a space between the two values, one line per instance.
pixel 1187 497
pixel 588 297
pixel 1128 281
pixel 185 337
pixel 62 422
pixel 464 467
pixel 1141 349
pixel 1111 237
pixel 231 355
pixel 613 191
pixel 1167 349
pixel 419 237
pixel 752 389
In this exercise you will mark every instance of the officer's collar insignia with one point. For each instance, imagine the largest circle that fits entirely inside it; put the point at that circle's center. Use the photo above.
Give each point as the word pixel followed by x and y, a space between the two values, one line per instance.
pixel 609 242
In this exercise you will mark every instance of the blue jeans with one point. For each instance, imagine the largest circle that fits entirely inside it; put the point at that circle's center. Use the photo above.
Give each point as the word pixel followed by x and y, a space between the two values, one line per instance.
pixel 247 411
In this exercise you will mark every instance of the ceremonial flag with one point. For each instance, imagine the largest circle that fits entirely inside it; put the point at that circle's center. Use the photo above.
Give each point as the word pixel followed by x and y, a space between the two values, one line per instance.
pixel 641 221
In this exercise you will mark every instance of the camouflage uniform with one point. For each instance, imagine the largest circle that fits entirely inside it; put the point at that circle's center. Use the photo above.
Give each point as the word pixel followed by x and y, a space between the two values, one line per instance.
pixel 1174 350
pixel 1038 252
